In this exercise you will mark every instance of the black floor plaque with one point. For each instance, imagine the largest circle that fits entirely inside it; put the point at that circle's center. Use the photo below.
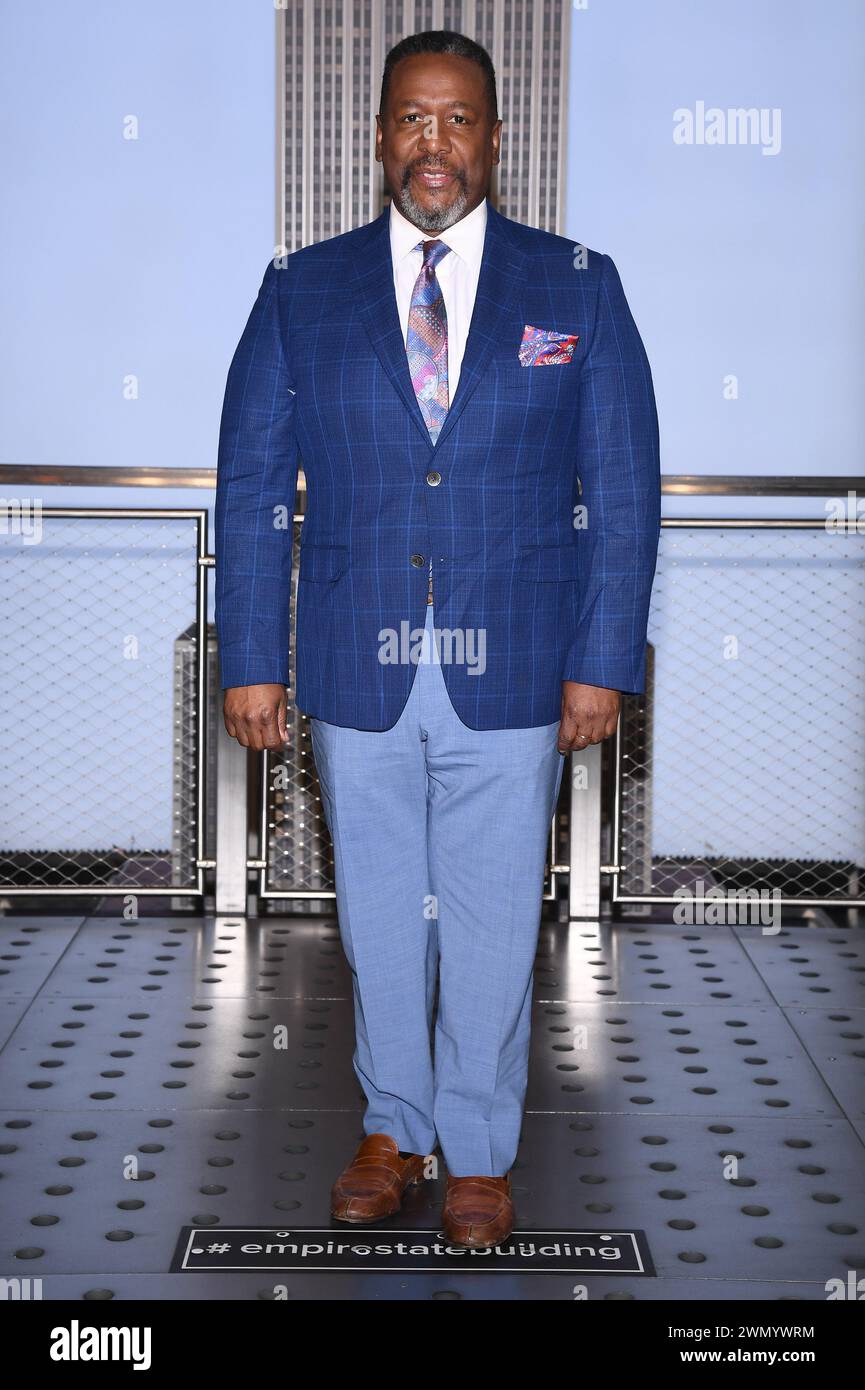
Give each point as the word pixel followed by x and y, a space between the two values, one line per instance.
pixel 386 1250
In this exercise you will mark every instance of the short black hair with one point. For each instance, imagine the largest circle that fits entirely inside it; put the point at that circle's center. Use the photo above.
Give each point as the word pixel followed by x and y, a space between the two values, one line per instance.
pixel 441 41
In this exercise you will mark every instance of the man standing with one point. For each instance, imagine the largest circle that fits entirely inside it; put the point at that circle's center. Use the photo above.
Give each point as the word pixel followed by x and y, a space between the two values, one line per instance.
pixel 476 565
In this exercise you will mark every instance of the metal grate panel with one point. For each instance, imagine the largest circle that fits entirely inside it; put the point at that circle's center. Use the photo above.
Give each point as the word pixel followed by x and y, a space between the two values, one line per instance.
pixel 153 1100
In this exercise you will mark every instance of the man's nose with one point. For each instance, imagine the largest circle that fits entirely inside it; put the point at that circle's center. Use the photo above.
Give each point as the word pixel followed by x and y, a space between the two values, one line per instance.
pixel 432 139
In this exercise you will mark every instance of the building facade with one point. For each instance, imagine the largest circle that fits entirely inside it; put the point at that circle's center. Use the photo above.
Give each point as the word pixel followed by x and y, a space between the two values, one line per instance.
pixel 329 65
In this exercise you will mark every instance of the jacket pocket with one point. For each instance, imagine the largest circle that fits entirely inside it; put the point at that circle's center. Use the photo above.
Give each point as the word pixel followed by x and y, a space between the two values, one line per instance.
pixel 548 563
pixel 322 563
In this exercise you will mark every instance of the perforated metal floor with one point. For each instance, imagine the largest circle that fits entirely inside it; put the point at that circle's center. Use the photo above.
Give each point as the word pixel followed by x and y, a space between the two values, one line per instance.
pixel 703 1085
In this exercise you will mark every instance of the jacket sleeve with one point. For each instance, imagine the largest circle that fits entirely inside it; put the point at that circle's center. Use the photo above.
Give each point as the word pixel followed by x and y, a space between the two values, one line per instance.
pixel 619 468
pixel 255 495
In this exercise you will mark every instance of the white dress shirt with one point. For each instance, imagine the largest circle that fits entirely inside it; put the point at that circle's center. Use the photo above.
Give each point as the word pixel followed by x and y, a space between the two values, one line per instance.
pixel 457 274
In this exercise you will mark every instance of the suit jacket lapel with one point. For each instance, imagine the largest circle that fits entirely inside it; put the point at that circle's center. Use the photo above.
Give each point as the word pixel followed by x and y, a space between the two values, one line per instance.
pixel 501 276
pixel 376 301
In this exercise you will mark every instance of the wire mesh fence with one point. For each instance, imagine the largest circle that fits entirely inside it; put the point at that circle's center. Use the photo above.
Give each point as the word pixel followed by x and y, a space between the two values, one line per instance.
pixel 741 768
pixel 295 840
pixel 101 776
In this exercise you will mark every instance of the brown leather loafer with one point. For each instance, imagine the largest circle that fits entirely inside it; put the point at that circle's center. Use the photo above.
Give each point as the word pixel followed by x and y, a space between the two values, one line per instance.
pixel 372 1185
pixel 478 1211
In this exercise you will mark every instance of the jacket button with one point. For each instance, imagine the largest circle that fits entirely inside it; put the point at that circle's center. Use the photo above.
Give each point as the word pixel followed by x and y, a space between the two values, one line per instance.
pixel 433 478
pixel 418 561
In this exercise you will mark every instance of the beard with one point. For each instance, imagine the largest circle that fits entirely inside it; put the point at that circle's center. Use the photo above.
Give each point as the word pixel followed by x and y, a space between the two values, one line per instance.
pixel 431 219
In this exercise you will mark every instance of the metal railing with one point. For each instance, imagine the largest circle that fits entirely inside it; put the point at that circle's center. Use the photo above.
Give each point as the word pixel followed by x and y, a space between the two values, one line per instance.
pixel 629 842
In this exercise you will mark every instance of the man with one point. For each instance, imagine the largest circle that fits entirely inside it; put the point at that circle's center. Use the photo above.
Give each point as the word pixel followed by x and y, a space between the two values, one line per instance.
pixel 474 411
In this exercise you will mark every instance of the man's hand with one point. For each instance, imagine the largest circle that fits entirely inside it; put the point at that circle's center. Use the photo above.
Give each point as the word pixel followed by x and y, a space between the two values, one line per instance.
pixel 590 713
pixel 255 715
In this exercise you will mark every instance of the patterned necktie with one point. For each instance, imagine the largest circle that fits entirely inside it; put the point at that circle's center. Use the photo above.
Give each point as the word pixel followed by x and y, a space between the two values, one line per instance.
pixel 427 339
pixel 426 346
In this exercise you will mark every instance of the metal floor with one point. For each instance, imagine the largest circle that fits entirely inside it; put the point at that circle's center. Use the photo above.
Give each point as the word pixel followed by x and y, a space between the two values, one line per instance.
pixel 151 1041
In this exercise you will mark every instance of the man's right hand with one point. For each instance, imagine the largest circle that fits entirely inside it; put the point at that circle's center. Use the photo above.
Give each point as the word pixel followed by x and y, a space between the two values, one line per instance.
pixel 255 715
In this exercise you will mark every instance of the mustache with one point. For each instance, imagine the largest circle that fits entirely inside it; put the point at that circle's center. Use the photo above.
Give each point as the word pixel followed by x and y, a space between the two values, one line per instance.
pixel 427 167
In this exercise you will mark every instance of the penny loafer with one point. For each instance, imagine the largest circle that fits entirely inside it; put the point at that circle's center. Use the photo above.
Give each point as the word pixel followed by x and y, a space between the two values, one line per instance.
pixel 372 1185
pixel 478 1211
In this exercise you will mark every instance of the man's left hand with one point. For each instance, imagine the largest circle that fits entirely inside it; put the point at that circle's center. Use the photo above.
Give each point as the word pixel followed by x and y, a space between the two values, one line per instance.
pixel 590 714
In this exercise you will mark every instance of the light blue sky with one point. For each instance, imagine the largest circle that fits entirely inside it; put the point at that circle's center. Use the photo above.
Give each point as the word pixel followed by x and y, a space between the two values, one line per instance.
pixel 733 261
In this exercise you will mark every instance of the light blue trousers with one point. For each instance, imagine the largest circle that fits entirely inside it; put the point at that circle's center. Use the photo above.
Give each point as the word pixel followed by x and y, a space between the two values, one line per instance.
pixel 440 835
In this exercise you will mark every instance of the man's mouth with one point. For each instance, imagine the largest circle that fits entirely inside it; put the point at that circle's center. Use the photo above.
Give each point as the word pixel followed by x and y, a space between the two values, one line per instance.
pixel 434 178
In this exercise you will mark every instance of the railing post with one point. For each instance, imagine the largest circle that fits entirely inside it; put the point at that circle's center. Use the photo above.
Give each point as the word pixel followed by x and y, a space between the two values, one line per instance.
pixel 231 829
pixel 584 880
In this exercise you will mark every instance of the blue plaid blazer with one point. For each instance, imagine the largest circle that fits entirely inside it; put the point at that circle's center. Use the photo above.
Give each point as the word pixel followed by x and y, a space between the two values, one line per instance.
pixel 539 504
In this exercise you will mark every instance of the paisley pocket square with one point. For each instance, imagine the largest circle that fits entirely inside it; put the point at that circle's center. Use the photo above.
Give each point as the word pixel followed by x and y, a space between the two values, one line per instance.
pixel 543 347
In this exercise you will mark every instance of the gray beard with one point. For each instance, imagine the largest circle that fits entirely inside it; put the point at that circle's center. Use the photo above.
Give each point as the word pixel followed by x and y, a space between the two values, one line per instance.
pixel 431 221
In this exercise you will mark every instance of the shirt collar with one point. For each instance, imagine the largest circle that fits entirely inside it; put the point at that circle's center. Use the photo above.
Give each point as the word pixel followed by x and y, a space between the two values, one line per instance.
pixel 465 238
